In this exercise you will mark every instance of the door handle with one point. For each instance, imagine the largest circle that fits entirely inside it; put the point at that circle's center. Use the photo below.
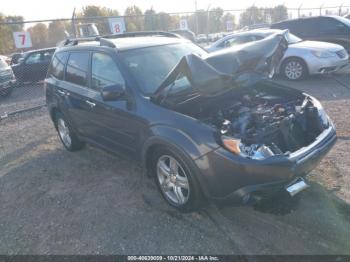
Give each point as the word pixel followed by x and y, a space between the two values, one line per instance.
pixel 61 92
pixel 90 103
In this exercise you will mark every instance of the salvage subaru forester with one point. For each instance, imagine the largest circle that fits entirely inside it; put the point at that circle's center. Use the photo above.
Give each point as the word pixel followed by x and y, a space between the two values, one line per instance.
pixel 205 126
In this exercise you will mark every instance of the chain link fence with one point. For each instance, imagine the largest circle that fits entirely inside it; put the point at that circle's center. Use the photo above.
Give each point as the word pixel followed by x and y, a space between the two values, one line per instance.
pixel 30 63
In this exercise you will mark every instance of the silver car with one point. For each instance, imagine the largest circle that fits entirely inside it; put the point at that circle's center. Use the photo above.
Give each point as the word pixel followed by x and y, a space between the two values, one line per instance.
pixel 302 58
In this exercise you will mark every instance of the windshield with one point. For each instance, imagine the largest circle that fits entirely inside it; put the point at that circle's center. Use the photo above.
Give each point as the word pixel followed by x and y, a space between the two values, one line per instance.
pixel 3 64
pixel 150 66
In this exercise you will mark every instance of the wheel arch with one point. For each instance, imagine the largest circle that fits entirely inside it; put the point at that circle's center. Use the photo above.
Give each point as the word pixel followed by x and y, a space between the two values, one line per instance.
pixel 156 143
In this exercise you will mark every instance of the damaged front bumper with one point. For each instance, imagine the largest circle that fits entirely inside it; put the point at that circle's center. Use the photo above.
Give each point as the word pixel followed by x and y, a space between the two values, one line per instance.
pixel 228 177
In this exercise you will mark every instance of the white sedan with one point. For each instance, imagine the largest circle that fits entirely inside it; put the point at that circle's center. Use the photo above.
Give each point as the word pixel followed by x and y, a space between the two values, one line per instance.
pixel 302 58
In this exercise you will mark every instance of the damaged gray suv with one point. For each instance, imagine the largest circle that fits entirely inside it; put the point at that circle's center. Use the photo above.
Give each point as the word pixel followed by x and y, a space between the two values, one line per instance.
pixel 204 126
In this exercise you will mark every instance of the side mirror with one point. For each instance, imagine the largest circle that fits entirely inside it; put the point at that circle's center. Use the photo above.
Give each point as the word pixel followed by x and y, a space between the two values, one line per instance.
pixel 112 92
pixel 20 60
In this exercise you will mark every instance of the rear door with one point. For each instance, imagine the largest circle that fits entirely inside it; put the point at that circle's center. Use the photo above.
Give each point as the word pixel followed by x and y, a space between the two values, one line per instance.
pixel 75 91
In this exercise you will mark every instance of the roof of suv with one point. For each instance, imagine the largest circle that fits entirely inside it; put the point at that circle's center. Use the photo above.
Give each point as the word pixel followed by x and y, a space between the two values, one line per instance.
pixel 127 43
pixel 306 18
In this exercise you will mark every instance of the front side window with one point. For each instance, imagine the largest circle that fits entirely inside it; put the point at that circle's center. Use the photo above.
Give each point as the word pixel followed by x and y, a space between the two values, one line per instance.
pixel 57 66
pixel 77 68
pixel 104 72
pixel 33 59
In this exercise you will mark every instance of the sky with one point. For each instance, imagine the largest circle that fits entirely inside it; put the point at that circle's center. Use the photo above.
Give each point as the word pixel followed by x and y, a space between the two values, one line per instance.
pixel 50 9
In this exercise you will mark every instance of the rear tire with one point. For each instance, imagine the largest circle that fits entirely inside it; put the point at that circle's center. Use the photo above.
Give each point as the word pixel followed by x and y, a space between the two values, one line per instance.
pixel 67 136
pixel 294 69
pixel 178 187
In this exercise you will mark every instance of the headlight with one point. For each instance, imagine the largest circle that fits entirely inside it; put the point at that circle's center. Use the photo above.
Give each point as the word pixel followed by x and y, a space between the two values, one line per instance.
pixel 231 144
pixel 255 151
pixel 323 54
pixel 321 112
pixel 323 117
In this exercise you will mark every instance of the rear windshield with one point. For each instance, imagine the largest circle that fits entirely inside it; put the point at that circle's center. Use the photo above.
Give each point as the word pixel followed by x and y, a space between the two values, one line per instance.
pixel 150 66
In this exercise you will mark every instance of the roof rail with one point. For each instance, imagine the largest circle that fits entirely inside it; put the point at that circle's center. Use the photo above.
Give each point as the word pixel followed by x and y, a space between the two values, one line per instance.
pixel 144 33
pixel 75 41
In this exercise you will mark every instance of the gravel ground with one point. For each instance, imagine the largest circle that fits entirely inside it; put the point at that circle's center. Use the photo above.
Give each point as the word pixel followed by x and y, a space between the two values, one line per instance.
pixel 91 202
pixel 24 97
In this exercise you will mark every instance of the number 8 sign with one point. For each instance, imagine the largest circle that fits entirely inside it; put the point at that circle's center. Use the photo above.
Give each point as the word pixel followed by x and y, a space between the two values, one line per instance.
pixel 22 39
pixel 117 25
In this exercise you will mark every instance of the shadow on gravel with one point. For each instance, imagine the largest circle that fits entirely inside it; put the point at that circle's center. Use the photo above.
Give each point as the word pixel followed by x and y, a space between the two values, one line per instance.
pixel 280 203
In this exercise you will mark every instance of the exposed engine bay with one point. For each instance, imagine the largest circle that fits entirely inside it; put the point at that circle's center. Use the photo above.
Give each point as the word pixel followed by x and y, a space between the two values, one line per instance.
pixel 269 125
pixel 229 91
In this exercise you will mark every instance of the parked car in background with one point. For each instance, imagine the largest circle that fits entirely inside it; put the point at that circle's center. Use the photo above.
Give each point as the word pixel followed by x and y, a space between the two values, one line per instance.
pixel 302 57
pixel 6 59
pixel 201 38
pixel 186 34
pixel 7 78
pixel 202 125
pixel 33 65
pixel 333 29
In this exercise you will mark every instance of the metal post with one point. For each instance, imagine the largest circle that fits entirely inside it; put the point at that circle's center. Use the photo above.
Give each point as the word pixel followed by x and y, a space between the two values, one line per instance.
pixel 195 5
pixel 73 24
pixel 208 23
pixel 321 10
pixel 340 8
pixel 299 10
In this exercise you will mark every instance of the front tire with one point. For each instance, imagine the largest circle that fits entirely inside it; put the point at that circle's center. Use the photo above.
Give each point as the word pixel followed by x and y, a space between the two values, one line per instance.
pixel 294 69
pixel 68 138
pixel 175 180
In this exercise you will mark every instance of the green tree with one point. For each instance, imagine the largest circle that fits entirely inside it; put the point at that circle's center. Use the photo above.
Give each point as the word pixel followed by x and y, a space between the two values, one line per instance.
pixel 98 11
pixel 56 32
pixel 201 16
pixel 7 45
pixel 279 13
pixel 39 35
pixel 251 16
pixel 150 20
pixel 134 18
pixel 164 21
pixel 215 15
pixel 227 18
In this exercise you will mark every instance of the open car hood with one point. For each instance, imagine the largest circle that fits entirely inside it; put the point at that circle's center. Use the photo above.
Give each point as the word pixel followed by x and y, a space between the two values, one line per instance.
pixel 241 66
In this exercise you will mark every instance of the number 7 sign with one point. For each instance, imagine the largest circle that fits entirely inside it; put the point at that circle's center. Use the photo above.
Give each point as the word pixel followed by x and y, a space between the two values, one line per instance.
pixel 22 39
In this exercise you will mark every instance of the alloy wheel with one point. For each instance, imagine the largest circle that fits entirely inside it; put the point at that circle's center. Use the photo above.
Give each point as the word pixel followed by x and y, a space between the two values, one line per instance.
pixel 173 180
pixel 64 133
pixel 293 70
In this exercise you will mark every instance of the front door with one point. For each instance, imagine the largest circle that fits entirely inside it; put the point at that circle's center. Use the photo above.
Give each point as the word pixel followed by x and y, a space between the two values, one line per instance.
pixel 113 123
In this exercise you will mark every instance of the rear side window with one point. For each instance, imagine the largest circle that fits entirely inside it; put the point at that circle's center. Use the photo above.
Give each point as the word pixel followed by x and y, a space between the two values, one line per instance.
pixel 77 68
pixel 330 26
pixel 57 65
pixel 104 72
